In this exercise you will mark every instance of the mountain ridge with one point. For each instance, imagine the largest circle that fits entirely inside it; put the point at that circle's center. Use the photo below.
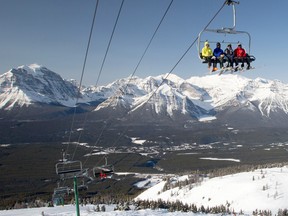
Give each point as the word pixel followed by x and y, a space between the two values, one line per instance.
pixel 206 98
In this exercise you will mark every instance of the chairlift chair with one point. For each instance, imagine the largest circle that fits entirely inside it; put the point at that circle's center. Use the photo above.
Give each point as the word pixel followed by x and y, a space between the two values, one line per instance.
pixel 104 171
pixel 61 190
pixel 69 169
pixel 59 195
pixel 83 186
pixel 224 30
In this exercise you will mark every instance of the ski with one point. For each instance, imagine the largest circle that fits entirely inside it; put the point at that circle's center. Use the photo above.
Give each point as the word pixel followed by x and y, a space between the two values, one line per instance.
pixel 223 70
pixel 242 69
pixel 231 69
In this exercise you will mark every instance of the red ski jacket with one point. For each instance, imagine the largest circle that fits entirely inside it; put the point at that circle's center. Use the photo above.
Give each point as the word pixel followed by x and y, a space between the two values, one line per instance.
pixel 239 52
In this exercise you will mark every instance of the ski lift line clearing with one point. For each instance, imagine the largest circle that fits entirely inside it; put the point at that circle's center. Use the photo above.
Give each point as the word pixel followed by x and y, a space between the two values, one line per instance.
pixel 226 31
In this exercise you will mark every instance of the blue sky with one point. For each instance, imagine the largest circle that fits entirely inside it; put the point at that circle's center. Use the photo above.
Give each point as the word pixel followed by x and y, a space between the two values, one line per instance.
pixel 54 33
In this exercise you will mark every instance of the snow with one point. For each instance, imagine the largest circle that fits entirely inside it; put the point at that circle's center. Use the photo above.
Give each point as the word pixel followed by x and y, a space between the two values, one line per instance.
pixel 206 93
pixel 96 153
pixel 138 141
pixel 265 189
pixel 213 92
pixel 5 145
pixel 69 210
pixel 149 182
pixel 28 84
pixel 205 118
pixel 33 69
pixel 220 159
pixel 262 189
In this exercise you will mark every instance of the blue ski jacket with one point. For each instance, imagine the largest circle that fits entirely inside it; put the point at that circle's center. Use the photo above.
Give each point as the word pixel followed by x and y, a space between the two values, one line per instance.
pixel 217 52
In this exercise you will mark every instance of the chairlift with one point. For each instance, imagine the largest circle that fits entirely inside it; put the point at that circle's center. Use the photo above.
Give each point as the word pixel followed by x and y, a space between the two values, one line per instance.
pixel 226 31
pixel 68 169
pixel 83 186
pixel 62 190
pixel 104 171
pixel 59 195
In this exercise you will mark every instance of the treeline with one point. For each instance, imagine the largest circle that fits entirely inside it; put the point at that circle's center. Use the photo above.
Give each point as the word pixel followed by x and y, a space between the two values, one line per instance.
pixel 180 206
pixel 196 177
pixel 243 168
pixel 191 180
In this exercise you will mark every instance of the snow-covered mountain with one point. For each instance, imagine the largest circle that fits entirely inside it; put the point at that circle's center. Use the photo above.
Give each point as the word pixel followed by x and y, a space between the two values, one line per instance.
pixel 206 98
pixel 167 96
pixel 26 85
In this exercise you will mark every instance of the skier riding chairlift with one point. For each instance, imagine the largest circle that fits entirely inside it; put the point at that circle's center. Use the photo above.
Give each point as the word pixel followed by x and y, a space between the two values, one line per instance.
pixel 225 31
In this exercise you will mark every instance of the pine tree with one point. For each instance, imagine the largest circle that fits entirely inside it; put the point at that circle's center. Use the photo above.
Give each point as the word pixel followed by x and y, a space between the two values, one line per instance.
pixel 103 208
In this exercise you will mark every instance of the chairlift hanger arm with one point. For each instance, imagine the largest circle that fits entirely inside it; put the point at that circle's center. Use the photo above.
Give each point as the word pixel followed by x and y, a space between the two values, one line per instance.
pixel 228 2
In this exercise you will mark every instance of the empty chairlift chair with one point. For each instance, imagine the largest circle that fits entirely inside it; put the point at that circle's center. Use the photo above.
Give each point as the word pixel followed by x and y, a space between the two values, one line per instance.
pixel 69 169
pixel 59 195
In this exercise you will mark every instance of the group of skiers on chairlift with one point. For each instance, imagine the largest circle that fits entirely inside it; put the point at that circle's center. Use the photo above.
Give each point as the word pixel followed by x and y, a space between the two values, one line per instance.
pixel 229 55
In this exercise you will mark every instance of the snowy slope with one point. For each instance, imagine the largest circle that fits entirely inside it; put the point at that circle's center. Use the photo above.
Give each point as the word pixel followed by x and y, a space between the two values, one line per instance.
pixel 265 189
pixel 88 211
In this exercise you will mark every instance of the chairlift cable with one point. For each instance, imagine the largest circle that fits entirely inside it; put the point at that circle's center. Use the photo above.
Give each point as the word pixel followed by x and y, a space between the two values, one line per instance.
pixel 102 65
pixel 153 93
pixel 110 40
pixel 143 56
pixel 136 68
pixel 82 75
pixel 192 44
pixel 147 47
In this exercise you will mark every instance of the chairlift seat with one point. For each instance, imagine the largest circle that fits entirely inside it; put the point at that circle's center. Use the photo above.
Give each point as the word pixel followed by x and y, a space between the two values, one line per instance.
pixel 69 168
pixel 103 171
pixel 61 190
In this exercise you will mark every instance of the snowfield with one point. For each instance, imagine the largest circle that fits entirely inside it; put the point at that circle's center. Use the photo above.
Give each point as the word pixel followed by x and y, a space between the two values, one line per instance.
pixel 263 189
pixel 69 210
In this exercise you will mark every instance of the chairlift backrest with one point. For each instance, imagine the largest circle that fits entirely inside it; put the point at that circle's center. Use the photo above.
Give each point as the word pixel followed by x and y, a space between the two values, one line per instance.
pixel 69 168
pixel 223 31
pixel 61 190
pixel 102 172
